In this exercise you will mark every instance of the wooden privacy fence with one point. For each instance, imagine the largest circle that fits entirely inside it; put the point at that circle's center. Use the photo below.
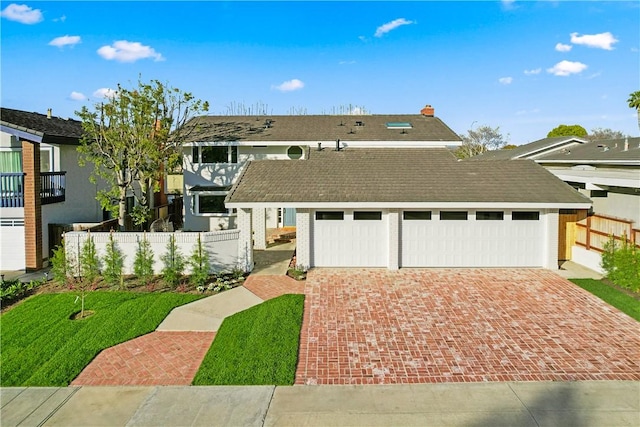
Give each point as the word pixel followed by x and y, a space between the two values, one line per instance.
pixel 594 232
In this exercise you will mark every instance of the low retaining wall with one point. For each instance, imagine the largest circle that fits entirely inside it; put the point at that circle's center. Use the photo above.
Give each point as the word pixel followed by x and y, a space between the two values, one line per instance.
pixel 222 247
pixel 590 259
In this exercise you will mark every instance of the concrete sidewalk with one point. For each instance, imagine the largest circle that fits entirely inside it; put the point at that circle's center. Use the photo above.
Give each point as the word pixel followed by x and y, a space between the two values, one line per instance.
pixel 588 403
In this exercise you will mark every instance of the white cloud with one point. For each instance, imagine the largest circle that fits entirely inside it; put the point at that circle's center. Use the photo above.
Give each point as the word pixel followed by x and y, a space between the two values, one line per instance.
pixel 505 80
pixel 289 85
pixel 533 71
pixel 508 4
pixel 65 41
pixel 389 26
pixel 566 68
pixel 77 96
pixel 600 41
pixel 126 51
pixel 346 62
pixel 22 13
pixel 61 19
pixel 104 92
pixel 563 47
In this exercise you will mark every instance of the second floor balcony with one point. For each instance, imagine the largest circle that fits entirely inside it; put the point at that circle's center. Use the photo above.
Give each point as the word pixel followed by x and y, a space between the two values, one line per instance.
pixel 52 188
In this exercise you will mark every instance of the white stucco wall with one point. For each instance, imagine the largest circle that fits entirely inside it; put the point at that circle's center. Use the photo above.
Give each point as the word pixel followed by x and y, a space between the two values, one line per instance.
pixel 626 206
pixel 80 203
pixel 587 258
pixel 223 175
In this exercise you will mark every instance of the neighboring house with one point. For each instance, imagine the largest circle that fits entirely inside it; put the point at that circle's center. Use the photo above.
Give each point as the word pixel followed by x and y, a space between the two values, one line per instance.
pixel 407 207
pixel 606 171
pixel 41 184
pixel 220 146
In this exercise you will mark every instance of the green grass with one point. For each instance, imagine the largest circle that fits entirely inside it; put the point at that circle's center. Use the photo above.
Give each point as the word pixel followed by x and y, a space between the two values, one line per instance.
pixel 41 346
pixel 612 296
pixel 256 346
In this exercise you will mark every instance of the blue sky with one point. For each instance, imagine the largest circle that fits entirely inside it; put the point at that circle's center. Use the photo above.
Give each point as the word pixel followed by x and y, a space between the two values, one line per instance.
pixel 525 66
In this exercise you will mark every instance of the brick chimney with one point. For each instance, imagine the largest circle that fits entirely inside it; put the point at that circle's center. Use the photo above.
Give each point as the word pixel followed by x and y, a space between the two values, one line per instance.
pixel 427 111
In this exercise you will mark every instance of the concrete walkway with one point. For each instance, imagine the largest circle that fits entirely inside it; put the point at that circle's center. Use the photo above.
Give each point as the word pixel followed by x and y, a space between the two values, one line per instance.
pixel 584 404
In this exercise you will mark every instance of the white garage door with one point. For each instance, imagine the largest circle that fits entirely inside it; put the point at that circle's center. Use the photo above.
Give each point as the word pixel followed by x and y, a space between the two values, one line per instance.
pixel 348 238
pixel 12 244
pixel 472 239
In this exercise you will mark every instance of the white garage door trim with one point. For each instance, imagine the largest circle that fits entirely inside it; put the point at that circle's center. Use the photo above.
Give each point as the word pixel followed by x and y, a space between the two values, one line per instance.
pixel 492 242
pixel 359 239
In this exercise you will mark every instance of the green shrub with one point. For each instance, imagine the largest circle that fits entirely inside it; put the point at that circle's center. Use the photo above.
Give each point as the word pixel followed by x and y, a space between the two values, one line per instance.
pixel 89 262
pixel 621 263
pixel 173 264
pixel 199 263
pixel 143 263
pixel 62 266
pixel 14 290
pixel 113 264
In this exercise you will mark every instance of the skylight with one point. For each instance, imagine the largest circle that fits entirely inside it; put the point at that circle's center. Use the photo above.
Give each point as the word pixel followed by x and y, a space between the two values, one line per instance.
pixel 399 125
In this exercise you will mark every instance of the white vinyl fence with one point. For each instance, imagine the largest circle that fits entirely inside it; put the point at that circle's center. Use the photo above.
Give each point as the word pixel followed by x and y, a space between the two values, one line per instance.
pixel 222 247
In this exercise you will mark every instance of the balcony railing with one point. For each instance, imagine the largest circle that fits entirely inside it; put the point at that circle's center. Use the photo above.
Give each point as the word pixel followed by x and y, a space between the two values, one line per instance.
pixel 52 188
pixel 12 190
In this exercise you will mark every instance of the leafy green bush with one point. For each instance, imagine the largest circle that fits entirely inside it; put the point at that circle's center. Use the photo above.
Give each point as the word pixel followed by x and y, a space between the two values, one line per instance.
pixel 621 263
pixel 143 263
pixel 61 265
pixel 173 264
pixel 199 263
pixel 89 262
pixel 113 264
pixel 14 290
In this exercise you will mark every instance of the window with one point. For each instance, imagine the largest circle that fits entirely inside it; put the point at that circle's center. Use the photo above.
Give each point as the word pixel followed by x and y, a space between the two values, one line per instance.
pixel 223 154
pixel 46 163
pixel 599 193
pixel 294 152
pixel 453 215
pixel 367 216
pixel 489 216
pixel 211 204
pixel 398 125
pixel 416 215
pixel 525 216
pixel 330 215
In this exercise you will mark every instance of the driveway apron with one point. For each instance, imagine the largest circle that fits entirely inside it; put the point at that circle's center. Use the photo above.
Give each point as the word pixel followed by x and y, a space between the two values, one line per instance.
pixel 374 326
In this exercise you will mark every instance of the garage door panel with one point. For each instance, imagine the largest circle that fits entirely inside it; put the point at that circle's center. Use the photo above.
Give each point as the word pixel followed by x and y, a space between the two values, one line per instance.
pixel 350 243
pixel 472 243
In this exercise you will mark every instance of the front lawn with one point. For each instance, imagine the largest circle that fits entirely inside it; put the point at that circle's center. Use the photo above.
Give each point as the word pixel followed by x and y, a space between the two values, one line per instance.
pixel 612 296
pixel 42 346
pixel 256 346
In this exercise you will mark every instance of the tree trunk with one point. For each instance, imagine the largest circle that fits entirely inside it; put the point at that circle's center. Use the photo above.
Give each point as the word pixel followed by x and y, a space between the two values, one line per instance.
pixel 122 208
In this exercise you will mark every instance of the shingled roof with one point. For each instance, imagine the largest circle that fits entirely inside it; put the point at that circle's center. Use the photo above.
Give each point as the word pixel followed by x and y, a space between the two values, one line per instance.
pixel 315 128
pixel 530 149
pixel 39 128
pixel 572 150
pixel 359 175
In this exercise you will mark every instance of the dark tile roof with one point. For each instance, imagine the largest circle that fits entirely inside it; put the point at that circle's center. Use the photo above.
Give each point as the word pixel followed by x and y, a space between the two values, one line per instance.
pixel 53 130
pixel 314 128
pixel 398 175
pixel 527 150
pixel 612 150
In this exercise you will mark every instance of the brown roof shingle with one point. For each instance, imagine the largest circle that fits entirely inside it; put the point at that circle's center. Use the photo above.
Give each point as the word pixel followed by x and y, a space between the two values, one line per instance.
pixel 314 128
pixel 54 129
pixel 398 175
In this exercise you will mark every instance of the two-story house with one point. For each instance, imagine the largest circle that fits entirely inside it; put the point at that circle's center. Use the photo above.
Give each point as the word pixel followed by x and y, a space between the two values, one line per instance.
pixel 41 184
pixel 218 149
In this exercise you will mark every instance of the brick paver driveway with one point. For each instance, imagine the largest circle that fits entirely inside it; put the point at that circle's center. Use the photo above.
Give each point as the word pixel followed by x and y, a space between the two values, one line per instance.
pixel 370 326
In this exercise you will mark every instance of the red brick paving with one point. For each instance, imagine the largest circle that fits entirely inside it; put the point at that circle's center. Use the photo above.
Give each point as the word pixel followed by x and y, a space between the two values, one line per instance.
pixel 371 326
pixel 158 358
pixel 267 286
